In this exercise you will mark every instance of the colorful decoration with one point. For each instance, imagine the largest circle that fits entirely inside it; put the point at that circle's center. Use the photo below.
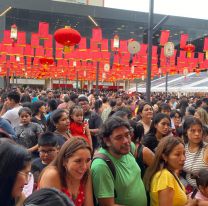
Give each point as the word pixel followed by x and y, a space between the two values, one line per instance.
pixel 45 61
pixel 169 49
pixel 189 48
pixel 68 37
pixel 183 40
pixel 133 46
pixel 164 37
pixel 37 61
pixel 116 42
pixel 206 47
pixel 13 34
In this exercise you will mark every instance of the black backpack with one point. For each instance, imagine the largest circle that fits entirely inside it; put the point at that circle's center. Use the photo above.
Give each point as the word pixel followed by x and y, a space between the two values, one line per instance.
pixel 112 168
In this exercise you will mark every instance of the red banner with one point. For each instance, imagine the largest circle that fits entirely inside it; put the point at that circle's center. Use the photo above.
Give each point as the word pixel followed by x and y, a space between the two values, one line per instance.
pixel 164 37
pixel 206 44
pixel 184 38
pixel 43 30
pixel 97 34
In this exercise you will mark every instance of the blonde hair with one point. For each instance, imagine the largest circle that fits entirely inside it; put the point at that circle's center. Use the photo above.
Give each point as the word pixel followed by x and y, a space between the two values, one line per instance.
pixel 203 116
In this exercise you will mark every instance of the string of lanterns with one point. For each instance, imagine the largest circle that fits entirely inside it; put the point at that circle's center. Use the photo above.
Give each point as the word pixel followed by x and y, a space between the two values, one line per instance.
pixel 126 59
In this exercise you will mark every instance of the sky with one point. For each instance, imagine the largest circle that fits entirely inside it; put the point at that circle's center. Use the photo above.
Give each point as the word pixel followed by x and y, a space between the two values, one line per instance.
pixel 185 8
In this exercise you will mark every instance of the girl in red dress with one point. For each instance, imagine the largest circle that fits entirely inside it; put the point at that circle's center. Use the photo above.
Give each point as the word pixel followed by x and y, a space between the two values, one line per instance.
pixel 77 126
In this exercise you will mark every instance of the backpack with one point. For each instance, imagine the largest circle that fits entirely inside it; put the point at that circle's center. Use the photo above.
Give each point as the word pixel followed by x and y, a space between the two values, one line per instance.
pixel 112 168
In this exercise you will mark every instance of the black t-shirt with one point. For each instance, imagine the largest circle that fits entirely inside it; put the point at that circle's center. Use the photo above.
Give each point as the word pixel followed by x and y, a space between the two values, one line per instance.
pixel 61 139
pixel 37 167
pixel 95 122
pixel 41 122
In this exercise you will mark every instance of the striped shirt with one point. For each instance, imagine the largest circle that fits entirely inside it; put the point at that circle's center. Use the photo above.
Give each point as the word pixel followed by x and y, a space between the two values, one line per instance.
pixel 194 162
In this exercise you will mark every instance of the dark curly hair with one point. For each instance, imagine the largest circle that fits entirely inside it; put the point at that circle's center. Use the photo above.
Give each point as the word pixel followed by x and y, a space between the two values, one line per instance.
pixel 109 126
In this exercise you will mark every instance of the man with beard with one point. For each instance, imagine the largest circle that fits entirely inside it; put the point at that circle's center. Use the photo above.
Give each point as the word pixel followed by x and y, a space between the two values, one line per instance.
pixel 125 186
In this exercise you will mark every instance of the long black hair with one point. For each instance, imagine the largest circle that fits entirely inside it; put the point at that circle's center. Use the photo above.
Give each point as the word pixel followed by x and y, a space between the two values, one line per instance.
pixel 13 158
pixel 36 106
pixel 157 118
pixel 188 123
pixel 54 119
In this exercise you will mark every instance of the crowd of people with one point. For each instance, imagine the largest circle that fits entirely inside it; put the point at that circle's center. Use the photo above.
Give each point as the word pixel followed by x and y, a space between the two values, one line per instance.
pixel 79 148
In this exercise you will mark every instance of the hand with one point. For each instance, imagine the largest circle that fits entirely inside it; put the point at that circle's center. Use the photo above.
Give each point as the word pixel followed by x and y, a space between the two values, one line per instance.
pixel 87 130
pixel 6 104
pixel 192 202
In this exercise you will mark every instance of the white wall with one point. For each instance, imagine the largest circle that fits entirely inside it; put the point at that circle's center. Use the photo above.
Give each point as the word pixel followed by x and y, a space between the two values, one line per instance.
pixel 96 2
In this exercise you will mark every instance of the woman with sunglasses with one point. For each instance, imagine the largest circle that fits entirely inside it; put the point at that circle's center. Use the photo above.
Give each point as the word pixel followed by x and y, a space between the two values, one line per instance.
pixel 15 165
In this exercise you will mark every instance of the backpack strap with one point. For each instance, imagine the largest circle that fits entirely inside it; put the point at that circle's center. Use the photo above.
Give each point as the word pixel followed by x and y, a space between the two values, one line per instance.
pixel 140 153
pixel 108 162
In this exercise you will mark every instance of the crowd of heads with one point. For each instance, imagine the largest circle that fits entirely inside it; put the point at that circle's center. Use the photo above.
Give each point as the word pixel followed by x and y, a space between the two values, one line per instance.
pixel 172 121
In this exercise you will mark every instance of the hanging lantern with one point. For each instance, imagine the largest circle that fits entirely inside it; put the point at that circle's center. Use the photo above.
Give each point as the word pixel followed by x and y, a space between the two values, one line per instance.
pixel 169 49
pixel 106 67
pixel 67 37
pixel 46 62
pixel 133 46
pixel 189 48
pixel 13 33
pixel 17 58
pixel 74 63
pixel 116 42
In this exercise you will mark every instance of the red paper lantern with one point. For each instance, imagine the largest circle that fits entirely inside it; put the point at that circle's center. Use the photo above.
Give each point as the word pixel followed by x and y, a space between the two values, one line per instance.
pixel 46 61
pixel 67 37
pixel 189 48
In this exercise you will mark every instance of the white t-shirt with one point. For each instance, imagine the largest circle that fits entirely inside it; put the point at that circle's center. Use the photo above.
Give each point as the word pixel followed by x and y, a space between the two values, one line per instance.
pixel 12 116
pixel 28 188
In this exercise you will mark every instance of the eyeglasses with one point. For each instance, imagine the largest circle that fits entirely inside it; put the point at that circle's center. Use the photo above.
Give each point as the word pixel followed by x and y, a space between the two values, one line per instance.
pixel 49 152
pixel 27 175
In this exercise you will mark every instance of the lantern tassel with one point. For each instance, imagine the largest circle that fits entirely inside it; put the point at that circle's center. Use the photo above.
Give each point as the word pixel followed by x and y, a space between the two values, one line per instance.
pixel 68 49
pixel 206 54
